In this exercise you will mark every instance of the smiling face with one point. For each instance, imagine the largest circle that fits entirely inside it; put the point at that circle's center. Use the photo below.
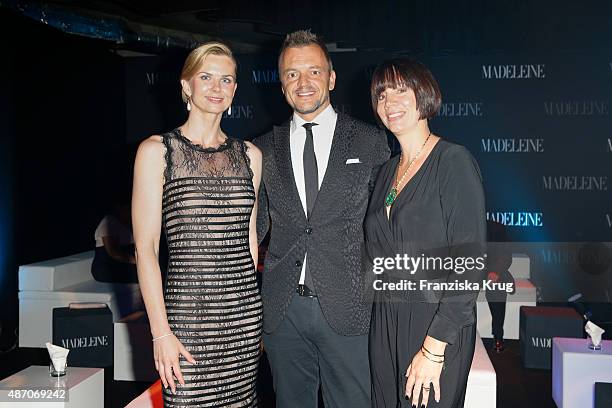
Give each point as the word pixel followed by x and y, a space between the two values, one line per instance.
pixel 397 109
pixel 213 86
pixel 403 93
pixel 306 80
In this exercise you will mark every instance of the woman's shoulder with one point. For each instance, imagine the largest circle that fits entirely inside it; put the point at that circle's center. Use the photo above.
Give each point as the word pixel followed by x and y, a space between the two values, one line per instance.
pixel 456 162
pixel 451 152
pixel 252 151
pixel 248 147
pixel 151 149
pixel 152 142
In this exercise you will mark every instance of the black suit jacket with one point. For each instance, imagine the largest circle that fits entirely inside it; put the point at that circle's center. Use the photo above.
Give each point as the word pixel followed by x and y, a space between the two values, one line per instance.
pixel 333 236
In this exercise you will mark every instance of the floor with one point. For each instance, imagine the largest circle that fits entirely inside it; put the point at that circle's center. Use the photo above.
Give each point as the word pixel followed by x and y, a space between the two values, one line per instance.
pixel 516 386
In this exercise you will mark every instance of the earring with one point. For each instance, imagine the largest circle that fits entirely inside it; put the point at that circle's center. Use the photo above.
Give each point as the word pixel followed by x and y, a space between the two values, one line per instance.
pixel 188 103
pixel 229 111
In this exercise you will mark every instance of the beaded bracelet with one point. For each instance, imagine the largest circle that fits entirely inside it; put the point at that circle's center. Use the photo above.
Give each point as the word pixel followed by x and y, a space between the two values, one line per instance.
pixel 162 336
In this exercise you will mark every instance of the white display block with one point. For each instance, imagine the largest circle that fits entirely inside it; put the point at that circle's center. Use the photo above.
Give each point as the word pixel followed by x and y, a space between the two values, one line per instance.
pixel 133 349
pixel 576 368
pixel 525 295
pixel 55 274
pixel 521 266
pixel 482 381
pixel 85 387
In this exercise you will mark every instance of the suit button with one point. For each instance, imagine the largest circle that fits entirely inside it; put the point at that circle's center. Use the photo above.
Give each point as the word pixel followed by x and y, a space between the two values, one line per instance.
pixel 308 230
pixel 298 263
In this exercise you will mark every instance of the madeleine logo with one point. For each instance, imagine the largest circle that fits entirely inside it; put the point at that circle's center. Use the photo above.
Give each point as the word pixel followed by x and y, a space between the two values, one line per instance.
pixel 575 183
pixel 609 220
pixel 509 145
pixel 151 78
pixel 460 109
pixel 516 218
pixel 576 108
pixel 156 79
pixel 609 145
pixel 240 112
pixel 523 71
pixel 541 342
pixel 558 257
pixel 265 76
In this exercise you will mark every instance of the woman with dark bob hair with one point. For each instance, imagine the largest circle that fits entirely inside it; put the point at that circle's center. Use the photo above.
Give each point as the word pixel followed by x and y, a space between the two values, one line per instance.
pixel 427 208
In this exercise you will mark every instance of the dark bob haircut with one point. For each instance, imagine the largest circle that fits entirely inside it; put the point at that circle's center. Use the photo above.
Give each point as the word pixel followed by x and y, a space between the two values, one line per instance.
pixel 404 72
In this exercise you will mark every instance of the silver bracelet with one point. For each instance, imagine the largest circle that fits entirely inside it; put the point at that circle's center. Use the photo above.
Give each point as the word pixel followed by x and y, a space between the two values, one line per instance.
pixel 162 336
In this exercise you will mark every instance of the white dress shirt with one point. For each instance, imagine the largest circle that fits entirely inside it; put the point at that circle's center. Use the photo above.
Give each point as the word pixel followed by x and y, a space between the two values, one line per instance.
pixel 323 134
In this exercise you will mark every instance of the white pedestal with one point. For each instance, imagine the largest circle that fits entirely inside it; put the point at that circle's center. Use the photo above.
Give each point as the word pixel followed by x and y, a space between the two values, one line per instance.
pixel 482 381
pixel 576 368
pixel 521 266
pixel 525 295
pixel 85 387
pixel 57 273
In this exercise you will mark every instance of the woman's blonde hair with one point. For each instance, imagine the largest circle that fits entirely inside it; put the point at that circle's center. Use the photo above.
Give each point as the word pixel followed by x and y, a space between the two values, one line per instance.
pixel 196 58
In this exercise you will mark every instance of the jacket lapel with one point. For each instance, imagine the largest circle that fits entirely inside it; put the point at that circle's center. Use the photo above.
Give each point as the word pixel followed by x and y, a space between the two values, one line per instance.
pixel 332 181
pixel 285 170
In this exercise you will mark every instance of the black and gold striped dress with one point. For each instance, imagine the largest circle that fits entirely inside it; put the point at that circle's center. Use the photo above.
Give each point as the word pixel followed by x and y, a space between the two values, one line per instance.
pixel 212 299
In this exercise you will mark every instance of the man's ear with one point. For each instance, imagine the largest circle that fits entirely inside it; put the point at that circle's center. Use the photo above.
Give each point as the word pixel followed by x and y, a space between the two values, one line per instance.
pixel 332 80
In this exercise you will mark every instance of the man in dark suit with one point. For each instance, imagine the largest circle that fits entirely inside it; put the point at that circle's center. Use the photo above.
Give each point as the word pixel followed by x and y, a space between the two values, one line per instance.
pixel 318 172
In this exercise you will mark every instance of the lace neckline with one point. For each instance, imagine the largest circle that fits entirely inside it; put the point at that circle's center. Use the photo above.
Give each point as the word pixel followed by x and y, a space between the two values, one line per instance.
pixel 195 146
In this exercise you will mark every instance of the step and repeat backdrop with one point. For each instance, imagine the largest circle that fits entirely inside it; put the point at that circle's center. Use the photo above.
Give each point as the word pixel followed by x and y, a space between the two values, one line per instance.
pixel 540 127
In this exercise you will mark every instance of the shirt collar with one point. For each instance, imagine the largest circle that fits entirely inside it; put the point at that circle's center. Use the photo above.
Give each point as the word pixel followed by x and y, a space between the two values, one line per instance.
pixel 323 119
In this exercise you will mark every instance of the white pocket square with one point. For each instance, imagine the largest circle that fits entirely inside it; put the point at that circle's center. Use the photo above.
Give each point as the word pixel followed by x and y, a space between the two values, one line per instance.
pixel 353 161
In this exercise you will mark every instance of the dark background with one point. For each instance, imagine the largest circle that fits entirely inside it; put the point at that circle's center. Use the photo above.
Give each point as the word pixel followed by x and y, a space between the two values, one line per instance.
pixel 74 109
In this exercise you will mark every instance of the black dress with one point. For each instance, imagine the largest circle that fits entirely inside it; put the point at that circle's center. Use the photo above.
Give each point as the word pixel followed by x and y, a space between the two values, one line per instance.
pixel 212 298
pixel 440 212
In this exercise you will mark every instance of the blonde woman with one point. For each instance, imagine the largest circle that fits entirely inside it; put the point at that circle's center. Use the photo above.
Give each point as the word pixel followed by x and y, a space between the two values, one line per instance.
pixel 201 185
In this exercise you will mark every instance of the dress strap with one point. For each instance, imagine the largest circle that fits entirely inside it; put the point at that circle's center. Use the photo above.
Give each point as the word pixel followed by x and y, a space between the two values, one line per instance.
pixel 247 160
pixel 166 137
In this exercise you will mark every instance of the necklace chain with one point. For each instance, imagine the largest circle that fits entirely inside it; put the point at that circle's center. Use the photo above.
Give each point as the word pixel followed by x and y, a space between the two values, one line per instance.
pixel 392 196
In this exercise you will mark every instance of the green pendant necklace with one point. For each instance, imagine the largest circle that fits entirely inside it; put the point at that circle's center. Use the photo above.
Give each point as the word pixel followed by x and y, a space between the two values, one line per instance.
pixel 392 196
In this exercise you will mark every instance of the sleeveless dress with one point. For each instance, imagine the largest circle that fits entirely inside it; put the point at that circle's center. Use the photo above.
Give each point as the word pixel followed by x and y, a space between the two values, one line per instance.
pixel 211 296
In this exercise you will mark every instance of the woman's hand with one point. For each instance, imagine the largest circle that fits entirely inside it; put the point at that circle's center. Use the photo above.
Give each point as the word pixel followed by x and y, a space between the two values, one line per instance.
pixel 166 353
pixel 424 372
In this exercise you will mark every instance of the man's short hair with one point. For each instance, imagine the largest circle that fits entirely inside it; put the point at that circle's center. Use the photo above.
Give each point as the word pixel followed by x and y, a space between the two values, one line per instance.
pixel 303 38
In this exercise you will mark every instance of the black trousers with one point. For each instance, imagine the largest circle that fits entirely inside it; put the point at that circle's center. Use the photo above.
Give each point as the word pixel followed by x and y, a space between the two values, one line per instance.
pixel 497 306
pixel 397 332
pixel 305 352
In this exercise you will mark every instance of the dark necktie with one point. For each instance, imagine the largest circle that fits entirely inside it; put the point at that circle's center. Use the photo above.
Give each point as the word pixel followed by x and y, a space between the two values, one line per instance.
pixel 311 171
pixel 311 182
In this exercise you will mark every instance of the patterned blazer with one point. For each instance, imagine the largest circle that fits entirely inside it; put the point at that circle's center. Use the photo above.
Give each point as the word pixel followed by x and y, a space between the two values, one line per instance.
pixel 333 236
